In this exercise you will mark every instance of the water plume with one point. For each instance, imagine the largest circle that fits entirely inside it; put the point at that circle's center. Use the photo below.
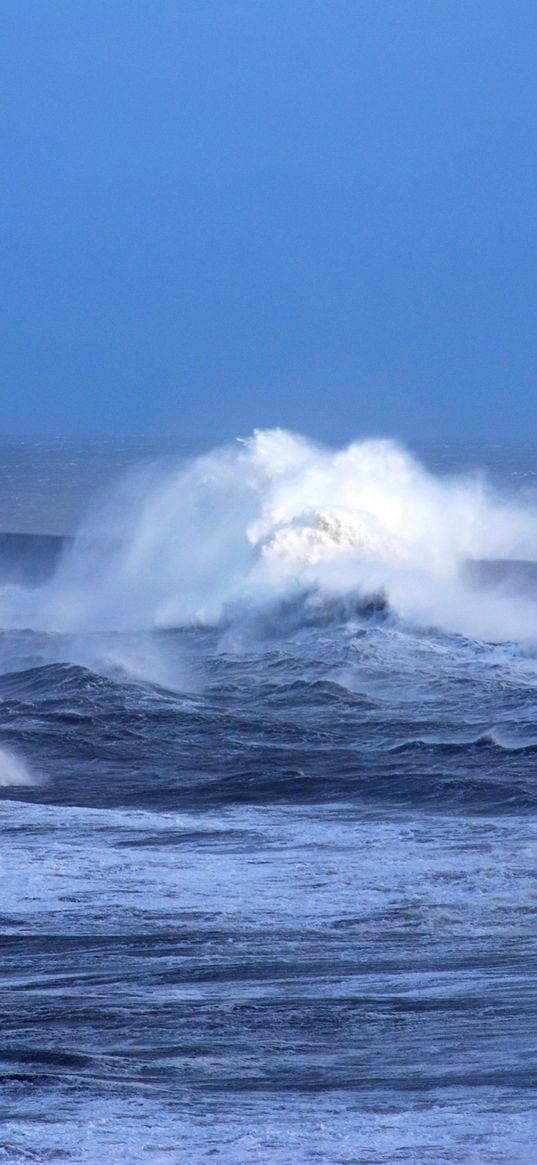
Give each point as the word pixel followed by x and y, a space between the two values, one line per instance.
pixel 275 515
pixel 14 771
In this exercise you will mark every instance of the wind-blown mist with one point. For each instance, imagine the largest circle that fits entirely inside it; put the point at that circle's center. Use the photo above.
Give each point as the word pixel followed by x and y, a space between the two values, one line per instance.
pixel 274 518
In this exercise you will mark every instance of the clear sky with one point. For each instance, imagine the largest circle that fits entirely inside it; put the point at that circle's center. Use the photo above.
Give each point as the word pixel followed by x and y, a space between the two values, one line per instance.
pixel 221 214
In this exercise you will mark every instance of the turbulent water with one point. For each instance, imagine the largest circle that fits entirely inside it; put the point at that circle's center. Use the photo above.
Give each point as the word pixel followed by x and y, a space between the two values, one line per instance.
pixel 268 787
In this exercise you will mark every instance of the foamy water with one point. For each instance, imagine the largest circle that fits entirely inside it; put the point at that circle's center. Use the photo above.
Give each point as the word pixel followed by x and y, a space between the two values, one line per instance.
pixel 268 796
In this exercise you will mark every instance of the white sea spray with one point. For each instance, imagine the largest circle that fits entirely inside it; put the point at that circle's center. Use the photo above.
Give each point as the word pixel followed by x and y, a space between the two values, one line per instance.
pixel 273 515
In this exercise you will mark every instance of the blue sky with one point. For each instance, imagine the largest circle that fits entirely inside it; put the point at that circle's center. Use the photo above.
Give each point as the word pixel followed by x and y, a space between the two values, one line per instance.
pixel 222 214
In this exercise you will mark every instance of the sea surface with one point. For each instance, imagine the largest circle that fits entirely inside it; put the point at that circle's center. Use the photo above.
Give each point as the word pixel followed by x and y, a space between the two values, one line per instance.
pixel 268 801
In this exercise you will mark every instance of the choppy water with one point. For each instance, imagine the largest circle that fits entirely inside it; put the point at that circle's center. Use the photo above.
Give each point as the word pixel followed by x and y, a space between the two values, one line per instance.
pixel 269 886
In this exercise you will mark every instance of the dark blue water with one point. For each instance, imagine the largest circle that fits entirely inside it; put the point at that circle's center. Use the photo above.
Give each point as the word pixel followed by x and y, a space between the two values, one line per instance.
pixel 269 884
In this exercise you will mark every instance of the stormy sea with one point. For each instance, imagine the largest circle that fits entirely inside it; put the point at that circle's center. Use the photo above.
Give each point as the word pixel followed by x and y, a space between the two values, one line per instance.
pixel 268 777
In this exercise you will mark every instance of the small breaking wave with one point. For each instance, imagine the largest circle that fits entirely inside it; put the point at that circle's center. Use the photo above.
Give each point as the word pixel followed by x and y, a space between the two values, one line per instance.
pixel 490 738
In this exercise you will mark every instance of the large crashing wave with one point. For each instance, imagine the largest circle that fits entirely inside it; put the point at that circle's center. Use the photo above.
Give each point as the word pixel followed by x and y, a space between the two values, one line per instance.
pixel 274 516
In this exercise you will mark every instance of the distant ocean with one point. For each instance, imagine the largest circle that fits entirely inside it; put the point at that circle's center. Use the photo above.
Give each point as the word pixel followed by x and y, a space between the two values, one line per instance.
pixel 268 777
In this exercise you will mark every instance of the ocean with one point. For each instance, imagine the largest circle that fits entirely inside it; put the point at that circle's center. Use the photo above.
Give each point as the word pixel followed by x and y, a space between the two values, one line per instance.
pixel 268 793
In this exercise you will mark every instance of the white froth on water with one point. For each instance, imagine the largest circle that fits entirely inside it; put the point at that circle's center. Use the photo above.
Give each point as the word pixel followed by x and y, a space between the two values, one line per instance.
pixel 260 520
pixel 468 884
